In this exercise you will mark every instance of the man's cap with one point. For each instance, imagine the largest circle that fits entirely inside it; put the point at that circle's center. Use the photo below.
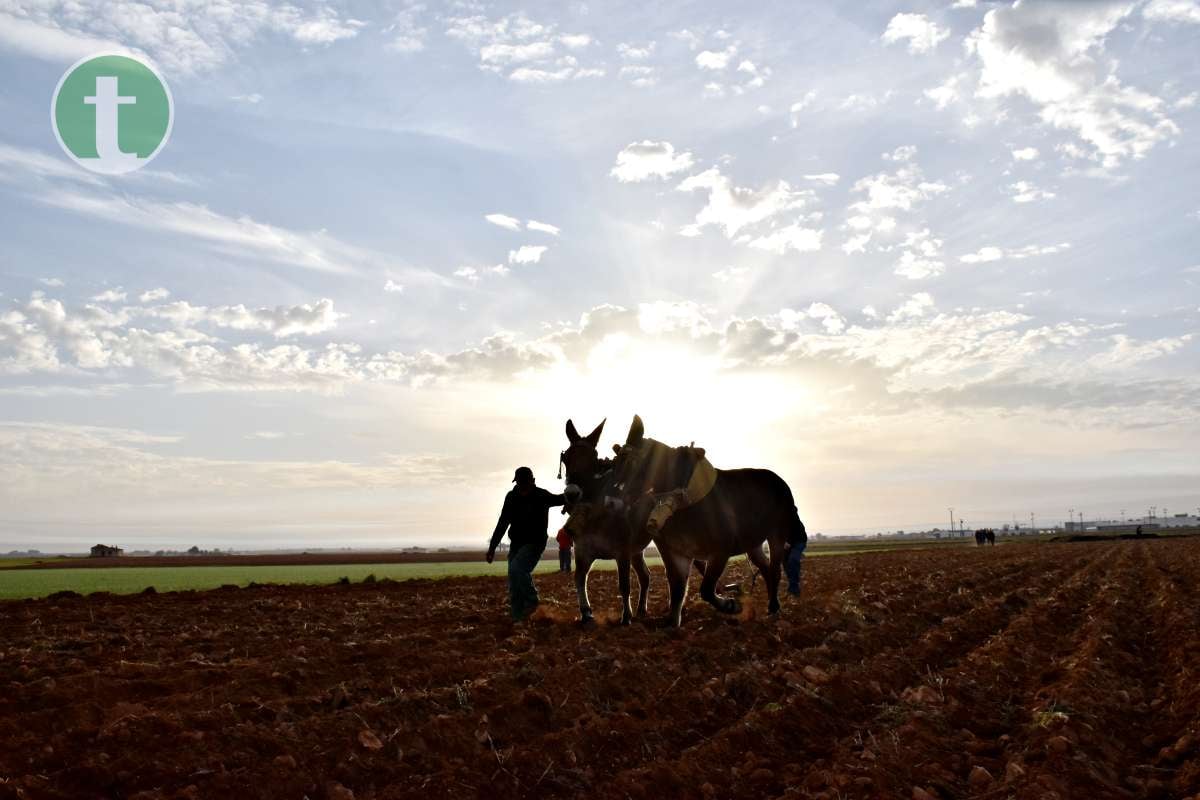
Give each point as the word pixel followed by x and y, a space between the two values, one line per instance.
pixel 522 473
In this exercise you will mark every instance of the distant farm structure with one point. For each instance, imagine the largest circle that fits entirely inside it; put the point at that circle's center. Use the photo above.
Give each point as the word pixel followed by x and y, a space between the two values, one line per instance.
pixel 105 551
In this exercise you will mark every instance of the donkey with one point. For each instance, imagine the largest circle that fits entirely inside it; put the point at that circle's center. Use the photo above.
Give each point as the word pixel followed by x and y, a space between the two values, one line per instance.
pixel 600 531
pixel 743 508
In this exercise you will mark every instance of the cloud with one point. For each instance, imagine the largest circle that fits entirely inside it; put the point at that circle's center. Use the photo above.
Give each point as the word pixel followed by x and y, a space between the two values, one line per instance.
pixel 1025 154
pixel 116 295
pixel 632 52
pixel 527 254
pixel 715 59
pixel 647 159
pixel 406 31
pixel 523 49
pixel 1052 53
pixel 794 237
pixel 824 178
pixel 1026 192
pixel 1178 11
pixel 732 208
pixel 504 221
pixel 280 321
pixel 542 227
pixel 54 283
pixel 392 287
pixel 184 38
pixel 993 253
pixel 920 256
pixel 921 34
pixel 731 274
pixel 799 106
pixel 885 195
pixel 945 93
pixel 241 236
pixel 152 295
pixel 467 273
pixel 639 75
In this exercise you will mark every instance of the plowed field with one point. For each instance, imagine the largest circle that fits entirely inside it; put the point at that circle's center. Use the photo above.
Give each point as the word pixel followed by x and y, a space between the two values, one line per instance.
pixel 1039 671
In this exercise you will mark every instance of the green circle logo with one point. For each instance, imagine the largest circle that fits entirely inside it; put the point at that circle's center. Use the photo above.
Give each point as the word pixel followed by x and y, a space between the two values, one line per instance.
pixel 112 113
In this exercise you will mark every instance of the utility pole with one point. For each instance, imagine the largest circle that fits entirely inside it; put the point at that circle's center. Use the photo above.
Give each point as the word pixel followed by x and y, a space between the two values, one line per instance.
pixel 952 520
pixel 1032 524
pixel 1071 517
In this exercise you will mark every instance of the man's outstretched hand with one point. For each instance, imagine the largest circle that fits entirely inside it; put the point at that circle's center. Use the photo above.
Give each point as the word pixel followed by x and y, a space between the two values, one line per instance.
pixel 491 556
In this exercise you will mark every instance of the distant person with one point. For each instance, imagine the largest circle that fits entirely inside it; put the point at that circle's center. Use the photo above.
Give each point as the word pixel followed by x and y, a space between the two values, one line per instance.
pixel 525 516
pixel 1139 530
pixel 793 561
pixel 564 550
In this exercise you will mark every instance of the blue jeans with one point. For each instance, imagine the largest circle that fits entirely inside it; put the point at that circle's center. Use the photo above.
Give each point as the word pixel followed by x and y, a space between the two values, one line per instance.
pixel 793 565
pixel 522 594
pixel 564 559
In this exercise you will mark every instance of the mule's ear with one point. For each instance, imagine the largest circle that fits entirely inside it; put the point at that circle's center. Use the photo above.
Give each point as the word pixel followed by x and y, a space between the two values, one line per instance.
pixel 572 434
pixel 616 449
pixel 636 431
pixel 699 452
pixel 594 437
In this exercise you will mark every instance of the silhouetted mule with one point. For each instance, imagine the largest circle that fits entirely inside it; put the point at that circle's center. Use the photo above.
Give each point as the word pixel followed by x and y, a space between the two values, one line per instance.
pixel 744 508
pixel 600 532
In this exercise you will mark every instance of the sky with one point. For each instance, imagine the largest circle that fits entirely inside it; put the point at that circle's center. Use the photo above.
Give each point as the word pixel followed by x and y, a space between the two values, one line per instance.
pixel 912 257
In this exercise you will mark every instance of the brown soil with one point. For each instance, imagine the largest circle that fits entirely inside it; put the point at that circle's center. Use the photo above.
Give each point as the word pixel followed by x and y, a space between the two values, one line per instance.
pixel 1026 671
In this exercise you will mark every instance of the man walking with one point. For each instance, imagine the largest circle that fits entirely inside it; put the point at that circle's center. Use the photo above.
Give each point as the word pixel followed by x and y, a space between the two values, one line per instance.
pixel 793 562
pixel 564 550
pixel 525 516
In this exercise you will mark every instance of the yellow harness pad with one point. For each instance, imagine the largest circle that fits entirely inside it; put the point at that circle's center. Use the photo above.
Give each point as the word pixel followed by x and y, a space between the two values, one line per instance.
pixel 701 482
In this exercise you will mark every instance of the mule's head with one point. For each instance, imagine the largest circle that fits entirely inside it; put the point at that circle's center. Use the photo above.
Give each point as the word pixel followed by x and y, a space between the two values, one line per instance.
pixel 580 458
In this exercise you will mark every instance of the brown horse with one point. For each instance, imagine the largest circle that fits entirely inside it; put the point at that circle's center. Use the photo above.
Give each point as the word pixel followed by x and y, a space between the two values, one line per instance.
pixel 744 508
pixel 598 530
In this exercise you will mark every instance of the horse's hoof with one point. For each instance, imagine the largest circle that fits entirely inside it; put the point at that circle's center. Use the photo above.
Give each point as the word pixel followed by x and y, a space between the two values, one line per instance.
pixel 773 609
pixel 587 622
pixel 626 619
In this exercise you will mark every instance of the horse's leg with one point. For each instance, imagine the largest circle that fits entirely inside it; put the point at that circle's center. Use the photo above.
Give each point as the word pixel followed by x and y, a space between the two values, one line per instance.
pixel 583 564
pixel 643 574
pixel 708 587
pixel 700 566
pixel 623 586
pixel 678 568
pixel 759 559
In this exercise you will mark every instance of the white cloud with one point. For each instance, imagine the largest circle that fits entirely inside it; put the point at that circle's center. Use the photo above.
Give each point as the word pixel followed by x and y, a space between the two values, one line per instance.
pixel 281 321
pixel 687 37
pixel 392 287
pixel 182 37
pixel 54 283
pixel 525 50
pixel 799 106
pixel 1025 154
pixel 504 221
pixel 920 256
pixel 1053 55
pixel 467 273
pixel 500 269
pixel 993 253
pixel 116 295
pixel 542 227
pixel 639 75
pixel 1026 192
pixel 715 59
pixel 631 52
pixel 1172 11
pixel 733 208
pixel 643 160
pixel 794 237
pixel 153 295
pixel 527 254
pixel 922 34
pixel 824 178
pixel 945 93
pixel 253 99
pixel 731 274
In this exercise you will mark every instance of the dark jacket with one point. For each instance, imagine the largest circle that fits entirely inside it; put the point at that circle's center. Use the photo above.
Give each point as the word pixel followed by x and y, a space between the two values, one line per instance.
pixel 526 517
